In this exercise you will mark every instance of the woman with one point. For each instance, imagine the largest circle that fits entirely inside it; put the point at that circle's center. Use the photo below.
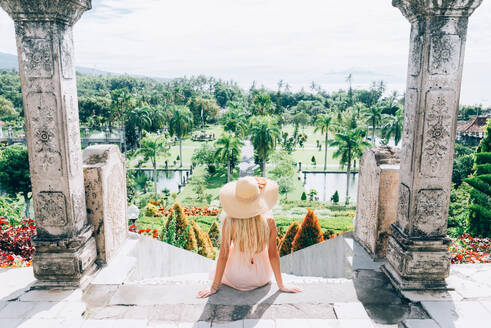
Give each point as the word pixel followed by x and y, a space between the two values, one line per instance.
pixel 248 253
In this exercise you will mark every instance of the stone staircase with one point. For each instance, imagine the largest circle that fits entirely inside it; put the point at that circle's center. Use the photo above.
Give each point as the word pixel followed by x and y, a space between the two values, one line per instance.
pixel 161 283
pixel 139 288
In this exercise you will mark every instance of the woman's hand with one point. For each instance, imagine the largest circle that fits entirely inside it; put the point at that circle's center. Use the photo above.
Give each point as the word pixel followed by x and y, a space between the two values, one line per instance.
pixel 289 289
pixel 206 292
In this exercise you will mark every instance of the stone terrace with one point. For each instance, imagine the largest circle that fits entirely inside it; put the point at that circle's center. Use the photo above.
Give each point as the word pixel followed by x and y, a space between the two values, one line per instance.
pixel 365 298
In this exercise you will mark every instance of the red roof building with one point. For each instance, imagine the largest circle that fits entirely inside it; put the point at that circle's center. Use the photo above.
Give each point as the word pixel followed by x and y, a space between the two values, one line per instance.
pixel 473 130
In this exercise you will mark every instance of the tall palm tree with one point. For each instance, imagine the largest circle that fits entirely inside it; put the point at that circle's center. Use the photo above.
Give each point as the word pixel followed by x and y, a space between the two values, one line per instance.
pixel 264 133
pixel 324 124
pixel 122 103
pixel 140 117
pixel 150 147
pixel 373 115
pixel 359 107
pixel 350 144
pixel 180 124
pixel 393 125
pixel 227 150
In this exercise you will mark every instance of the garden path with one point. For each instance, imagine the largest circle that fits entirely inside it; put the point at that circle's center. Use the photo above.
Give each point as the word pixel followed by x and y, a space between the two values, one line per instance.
pixel 247 165
pixel 363 299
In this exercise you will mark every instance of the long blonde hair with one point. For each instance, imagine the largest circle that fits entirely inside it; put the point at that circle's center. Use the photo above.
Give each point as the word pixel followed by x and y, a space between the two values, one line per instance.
pixel 250 235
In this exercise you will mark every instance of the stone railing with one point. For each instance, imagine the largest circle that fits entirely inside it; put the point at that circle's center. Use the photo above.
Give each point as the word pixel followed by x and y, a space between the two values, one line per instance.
pixel 376 210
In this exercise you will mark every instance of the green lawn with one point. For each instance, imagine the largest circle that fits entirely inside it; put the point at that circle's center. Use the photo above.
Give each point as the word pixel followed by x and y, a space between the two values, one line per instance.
pixel 188 147
pixel 214 182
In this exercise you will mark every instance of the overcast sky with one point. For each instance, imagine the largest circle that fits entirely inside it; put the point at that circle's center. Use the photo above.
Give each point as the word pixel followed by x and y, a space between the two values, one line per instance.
pixel 298 41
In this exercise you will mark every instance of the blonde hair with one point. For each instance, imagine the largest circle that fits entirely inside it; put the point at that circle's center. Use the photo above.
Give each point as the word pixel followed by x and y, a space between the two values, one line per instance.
pixel 250 235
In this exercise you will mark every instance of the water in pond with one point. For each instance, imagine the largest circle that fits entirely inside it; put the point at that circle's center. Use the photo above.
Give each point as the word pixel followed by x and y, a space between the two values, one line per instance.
pixel 167 179
pixel 327 183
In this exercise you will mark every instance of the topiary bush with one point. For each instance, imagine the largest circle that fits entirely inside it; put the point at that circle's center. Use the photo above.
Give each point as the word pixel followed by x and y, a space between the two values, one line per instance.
pixel 310 232
pixel 203 241
pixel 151 210
pixel 479 222
pixel 182 224
pixel 286 242
pixel 335 197
pixel 214 234
pixel 304 196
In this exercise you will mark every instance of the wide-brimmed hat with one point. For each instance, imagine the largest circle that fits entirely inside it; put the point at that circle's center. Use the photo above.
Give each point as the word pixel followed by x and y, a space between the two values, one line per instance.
pixel 248 197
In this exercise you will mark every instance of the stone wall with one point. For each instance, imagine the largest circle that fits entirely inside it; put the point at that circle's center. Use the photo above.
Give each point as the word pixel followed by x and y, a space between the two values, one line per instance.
pixel 105 193
pixel 376 210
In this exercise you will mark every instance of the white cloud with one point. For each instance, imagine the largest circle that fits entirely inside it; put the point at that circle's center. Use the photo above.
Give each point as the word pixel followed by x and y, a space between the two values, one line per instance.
pixel 264 40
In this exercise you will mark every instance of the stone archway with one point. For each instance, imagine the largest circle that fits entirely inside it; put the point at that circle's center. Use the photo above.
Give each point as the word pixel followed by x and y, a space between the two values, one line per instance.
pixel 417 252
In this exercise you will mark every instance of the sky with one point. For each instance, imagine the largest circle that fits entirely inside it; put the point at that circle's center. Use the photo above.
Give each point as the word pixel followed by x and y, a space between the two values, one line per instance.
pixel 297 41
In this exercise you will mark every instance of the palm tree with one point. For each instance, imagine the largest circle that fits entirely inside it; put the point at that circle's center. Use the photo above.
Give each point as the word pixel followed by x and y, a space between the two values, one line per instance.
pixel 140 117
pixel 122 102
pixel 373 115
pixel 150 147
pixel 359 107
pixel 264 133
pixel 324 124
pixel 180 123
pixel 227 150
pixel 393 125
pixel 350 144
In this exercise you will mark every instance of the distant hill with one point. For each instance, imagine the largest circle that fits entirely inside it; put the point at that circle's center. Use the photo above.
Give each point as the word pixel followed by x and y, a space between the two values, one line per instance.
pixel 9 61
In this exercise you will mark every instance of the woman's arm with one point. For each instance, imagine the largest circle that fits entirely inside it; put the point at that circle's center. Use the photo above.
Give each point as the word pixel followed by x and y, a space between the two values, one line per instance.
pixel 274 259
pixel 220 268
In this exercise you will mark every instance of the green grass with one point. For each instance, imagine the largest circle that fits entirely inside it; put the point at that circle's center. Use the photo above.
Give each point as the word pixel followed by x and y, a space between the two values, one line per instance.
pixel 214 182
pixel 188 147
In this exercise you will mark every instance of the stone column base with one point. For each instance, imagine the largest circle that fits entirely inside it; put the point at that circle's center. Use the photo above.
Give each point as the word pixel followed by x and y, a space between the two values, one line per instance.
pixel 417 264
pixel 65 263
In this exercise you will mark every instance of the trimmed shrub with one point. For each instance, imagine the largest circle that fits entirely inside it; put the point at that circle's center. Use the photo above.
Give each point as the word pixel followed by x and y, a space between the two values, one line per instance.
pixel 335 197
pixel 286 243
pixel 182 223
pixel 480 194
pixel 151 210
pixel 310 232
pixel 203 241
pixel 214 234
pixel 304 196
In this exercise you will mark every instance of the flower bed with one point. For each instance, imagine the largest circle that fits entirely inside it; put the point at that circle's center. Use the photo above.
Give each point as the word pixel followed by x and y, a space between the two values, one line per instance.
pixel 16 248
pixel 467 249
pixel 189 211
pixel 154 233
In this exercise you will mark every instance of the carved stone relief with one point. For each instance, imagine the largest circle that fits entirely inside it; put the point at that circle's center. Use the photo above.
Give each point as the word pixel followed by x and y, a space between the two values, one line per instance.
pixel 403 206
pixel 51 208
pixel 444 54
pixel 437 138
pixel 415 51
pixel 411 104
pixel 45 144
pixel 429 212
pixel 66 50
pixel 37 58
pixel 74 145
pixel 67 267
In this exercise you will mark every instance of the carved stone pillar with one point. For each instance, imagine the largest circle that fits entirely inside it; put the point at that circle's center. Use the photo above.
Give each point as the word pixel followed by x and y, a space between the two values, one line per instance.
pixel 417 253
pixel 65 247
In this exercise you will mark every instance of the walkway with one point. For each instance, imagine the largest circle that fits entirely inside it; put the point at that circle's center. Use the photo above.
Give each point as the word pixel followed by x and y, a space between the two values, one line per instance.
pixel 247 165
pixel 120 297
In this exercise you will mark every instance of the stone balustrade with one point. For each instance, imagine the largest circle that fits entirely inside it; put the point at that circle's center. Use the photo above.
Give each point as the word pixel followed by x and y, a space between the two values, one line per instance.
pixel 376 206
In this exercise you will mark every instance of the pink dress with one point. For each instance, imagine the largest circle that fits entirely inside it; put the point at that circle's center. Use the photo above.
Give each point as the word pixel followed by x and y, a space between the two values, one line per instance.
pixel 244 273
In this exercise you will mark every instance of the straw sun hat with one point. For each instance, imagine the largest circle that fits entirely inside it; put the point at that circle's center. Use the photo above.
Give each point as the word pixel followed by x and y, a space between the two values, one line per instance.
pixel 248 197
